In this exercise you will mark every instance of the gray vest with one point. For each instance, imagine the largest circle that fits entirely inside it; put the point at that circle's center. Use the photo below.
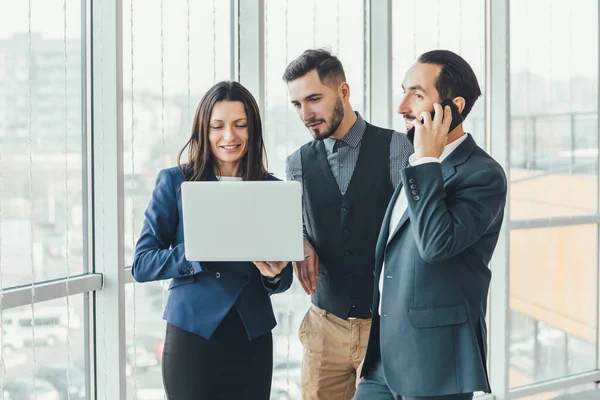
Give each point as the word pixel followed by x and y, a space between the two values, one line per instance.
pixel 344 228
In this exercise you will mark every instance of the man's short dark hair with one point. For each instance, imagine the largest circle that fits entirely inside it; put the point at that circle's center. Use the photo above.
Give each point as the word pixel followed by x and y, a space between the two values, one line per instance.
pixel 456 79
pixel 329 68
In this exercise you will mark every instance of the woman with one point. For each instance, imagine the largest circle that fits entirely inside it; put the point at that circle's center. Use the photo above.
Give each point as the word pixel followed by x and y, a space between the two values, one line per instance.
pixel 218 342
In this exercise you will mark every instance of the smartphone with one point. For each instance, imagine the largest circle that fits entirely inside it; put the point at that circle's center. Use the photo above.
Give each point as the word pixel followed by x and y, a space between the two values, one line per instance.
pixel 457 119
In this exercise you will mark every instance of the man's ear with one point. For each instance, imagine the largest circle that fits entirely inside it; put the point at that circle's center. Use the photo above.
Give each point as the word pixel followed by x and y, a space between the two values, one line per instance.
pixel 460 103
pixel 344 92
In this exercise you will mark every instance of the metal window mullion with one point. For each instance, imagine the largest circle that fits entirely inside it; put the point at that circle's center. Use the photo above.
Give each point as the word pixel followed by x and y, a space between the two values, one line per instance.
pixel 50 290
pixel 379 108
pixel 87 201
pixel 554 385
pixel 498 144
pixel 251 51
pixel 234 7
pixel 107 79
pixel 598 199
pixel 535 223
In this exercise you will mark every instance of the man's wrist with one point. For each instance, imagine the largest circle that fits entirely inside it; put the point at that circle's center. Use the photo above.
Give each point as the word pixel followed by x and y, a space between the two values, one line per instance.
pixel 428 154
pixel 273 279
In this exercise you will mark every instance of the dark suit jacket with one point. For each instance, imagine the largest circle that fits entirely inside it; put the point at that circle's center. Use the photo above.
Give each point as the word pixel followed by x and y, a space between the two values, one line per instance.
pixel 432 330
pixel 200 294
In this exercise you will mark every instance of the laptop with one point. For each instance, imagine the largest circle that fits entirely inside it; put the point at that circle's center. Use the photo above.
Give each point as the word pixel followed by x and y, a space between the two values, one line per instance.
pixel 242 221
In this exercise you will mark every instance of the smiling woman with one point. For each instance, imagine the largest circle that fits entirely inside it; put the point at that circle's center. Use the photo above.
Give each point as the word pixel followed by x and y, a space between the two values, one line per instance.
pixel 218 340
pixel 226 137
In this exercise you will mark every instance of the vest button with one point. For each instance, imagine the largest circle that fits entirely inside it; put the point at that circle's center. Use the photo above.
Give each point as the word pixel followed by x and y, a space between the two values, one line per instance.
pixel 344 209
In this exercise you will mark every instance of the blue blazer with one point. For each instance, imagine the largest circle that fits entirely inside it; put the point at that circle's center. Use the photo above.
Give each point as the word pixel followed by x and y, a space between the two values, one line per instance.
pixel 200 293
pixel 432 331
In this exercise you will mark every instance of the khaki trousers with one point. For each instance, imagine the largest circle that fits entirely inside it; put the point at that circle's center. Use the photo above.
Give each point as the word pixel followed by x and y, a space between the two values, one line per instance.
pixel 333 350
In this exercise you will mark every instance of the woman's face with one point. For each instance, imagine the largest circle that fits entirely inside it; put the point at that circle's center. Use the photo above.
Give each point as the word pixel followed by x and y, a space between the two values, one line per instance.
pixel 228 133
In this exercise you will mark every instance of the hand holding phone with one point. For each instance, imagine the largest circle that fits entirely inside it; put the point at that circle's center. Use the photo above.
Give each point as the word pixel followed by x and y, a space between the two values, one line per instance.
pixel 431 135
pixel 457 119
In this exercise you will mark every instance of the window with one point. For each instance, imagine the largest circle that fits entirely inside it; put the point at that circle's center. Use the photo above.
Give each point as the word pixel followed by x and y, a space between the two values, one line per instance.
pixel 552 300
pixel 554 177
pixel 165 75
pixel 421 26
pixel 42 228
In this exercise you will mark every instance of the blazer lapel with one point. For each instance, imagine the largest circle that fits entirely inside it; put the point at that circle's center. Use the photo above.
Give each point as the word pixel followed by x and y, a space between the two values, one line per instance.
pixel 385 227
pixel 400 223
pixel 457 157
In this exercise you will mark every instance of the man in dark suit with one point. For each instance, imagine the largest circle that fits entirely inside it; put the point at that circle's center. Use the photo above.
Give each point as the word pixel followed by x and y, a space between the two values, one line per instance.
pixel 428 334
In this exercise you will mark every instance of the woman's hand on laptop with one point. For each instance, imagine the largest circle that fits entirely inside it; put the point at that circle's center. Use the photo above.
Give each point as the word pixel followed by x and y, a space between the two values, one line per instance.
pixel 308 269
pixel 270 269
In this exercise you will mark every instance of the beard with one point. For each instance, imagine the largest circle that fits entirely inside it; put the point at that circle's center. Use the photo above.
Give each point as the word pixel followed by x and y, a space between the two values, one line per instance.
pixel 332 126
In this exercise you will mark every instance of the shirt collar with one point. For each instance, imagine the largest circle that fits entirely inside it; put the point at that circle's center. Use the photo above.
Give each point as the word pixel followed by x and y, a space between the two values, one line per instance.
pixel 353 137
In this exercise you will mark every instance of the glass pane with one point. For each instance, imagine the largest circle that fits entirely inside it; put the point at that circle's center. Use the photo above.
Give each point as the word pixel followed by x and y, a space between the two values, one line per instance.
pixel 45 350
pixel 165 75
pixel 320 25
pixel 553 289
pixel 423 25
pixel 290 309
pixel 41 140
pixel 554 108
pixel 145 338
pixel 163 84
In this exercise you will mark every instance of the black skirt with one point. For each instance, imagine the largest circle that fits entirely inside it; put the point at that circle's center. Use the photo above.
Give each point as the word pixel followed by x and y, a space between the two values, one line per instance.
pixel 227 366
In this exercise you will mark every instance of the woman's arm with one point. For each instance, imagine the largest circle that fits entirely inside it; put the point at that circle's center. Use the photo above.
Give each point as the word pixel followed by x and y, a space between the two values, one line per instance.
pixel 154 258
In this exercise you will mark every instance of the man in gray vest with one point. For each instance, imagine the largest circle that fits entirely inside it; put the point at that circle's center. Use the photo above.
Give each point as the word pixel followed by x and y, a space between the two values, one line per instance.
pixel 348 174
pixel 428 337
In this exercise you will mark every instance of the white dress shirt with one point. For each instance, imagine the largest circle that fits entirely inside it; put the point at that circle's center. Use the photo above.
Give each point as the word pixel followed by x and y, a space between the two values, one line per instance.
pixel 402 202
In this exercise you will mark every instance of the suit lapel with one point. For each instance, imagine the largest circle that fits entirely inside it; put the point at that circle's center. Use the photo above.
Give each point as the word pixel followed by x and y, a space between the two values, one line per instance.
pixel 457 157
pixel 403 219
pixel 385 227
pixel 448 170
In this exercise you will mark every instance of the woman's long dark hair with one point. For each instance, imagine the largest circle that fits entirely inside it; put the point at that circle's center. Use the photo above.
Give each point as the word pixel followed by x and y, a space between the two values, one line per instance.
pixel 201 164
